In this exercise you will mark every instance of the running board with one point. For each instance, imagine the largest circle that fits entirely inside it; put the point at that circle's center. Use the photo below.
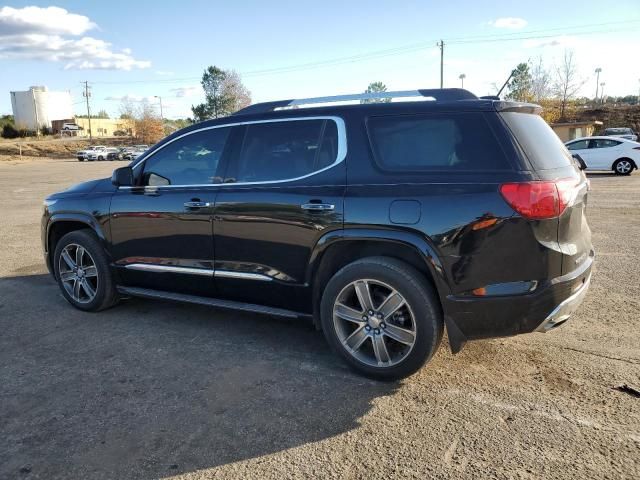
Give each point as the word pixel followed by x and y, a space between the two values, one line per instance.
pixel 211 302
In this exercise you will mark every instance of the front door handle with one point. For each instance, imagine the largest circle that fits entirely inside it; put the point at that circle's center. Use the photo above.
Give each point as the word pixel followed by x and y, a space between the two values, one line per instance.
pixel 197 204
pixel 318 207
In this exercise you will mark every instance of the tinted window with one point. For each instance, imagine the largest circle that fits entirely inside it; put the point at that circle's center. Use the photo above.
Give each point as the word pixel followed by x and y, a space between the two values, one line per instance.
pixel 190 160
pixel 284 150
pixel 541 145
pixel 603 143
pixel 618 131
pixel 452 141
pixel 579 145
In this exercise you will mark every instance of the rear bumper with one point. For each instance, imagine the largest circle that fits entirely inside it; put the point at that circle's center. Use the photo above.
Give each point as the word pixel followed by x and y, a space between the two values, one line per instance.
pixel 566 308
pixel 550 305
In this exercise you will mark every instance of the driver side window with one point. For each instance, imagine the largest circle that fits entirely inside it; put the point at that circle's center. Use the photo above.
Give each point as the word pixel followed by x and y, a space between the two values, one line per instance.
pixel 190 160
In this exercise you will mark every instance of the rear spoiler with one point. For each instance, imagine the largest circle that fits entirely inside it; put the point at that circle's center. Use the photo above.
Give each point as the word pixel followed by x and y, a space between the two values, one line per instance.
pixel 506 106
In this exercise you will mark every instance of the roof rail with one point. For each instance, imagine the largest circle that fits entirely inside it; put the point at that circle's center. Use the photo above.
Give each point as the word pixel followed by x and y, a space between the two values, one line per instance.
pixel 437 94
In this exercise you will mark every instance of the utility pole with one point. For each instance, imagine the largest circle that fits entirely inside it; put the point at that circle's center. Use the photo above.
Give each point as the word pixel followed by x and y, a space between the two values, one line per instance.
pixel 598 70
pixel 160 99
pixel 441 45
pixel 462 77
pixel 87 94
pixel 602 92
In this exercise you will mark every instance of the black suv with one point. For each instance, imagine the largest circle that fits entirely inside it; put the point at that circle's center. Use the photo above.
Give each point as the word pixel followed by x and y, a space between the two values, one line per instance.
pixel 381 222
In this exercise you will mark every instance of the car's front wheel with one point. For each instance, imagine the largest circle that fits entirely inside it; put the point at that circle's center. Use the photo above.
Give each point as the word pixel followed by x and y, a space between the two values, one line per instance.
pixel 382 317
pixel 623 166
pixel 82 271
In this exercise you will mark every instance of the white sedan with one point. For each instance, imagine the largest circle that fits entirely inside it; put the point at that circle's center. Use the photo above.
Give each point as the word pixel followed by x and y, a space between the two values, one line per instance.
pixel 607 153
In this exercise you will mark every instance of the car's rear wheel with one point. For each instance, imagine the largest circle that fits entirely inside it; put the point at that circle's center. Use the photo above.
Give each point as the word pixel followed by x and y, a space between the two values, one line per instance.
pixel 82 271
pixel 382 317
pixel 623 166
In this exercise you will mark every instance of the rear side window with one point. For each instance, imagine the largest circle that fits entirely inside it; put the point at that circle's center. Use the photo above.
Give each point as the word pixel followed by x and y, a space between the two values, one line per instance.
pixel 449 141
pixel 604 143
pixel 541 145
pixel 285 150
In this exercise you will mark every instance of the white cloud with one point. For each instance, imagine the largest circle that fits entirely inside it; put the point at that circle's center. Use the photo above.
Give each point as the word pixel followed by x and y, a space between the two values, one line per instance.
pixel 51 34
pixel 513 23
pixel 131 98
pixel 188 91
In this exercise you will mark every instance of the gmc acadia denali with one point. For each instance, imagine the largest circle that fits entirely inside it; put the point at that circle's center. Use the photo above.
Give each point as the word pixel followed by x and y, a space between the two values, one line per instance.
pixel 383 223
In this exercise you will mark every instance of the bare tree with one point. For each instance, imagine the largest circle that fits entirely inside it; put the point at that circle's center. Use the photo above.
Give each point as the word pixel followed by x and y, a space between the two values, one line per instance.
pixel 540 81
pixel 566 83
pixel 232 88
pixel 149 128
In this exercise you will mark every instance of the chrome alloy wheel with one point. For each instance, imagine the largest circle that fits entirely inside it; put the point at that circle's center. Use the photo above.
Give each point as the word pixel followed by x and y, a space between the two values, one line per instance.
pixel 78 273
pixel 374 323
pixel 623 166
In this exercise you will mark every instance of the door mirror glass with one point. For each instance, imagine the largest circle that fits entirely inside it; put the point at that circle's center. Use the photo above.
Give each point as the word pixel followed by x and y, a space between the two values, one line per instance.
pixel 122 177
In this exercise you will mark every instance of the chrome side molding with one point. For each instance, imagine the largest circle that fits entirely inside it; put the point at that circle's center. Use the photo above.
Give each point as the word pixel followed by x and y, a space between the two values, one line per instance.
pixel 150 267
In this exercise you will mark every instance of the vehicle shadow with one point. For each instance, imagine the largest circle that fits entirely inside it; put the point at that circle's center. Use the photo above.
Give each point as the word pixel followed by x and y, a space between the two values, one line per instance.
pixel 152 389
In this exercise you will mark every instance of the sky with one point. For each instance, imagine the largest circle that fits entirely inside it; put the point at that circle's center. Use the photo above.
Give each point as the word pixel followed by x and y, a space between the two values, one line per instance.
pixel 298 49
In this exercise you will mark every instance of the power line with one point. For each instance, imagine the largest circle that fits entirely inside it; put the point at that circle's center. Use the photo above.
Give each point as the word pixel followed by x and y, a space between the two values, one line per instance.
pixel 490 38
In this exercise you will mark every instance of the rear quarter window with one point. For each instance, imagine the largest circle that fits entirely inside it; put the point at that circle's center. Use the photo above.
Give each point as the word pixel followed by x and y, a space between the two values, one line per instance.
pixel 541 145
pixel 456 141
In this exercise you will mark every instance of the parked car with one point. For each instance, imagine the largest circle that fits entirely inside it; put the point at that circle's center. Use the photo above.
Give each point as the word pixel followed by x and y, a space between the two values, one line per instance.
pixel 623 132
pixel 130 153
pixel 82 155
pixel 70 127
pixel 607 153
pixel 108 153
pixel 383 223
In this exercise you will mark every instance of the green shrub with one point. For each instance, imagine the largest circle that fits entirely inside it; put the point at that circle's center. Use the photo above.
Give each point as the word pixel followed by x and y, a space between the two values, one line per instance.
pixel 9 131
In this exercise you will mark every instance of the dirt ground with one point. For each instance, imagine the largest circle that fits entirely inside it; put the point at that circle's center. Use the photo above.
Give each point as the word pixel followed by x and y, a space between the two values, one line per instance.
pixel 161 390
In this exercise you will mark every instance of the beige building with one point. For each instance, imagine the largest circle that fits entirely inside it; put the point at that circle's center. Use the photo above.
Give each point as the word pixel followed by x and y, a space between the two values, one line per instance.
pixel 100 127
pixel 570 130
pixel 105 127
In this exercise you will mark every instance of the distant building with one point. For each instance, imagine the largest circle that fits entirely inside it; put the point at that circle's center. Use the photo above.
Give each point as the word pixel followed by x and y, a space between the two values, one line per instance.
pixel 105 127
pixel 570 130
pixel 38 107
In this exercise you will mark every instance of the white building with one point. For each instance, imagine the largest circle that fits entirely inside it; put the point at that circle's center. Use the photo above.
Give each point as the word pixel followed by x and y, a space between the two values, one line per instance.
pixel 38 106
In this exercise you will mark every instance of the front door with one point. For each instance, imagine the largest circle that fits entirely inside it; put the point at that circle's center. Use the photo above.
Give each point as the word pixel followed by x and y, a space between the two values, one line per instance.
pixel 162 228
pixel 284 190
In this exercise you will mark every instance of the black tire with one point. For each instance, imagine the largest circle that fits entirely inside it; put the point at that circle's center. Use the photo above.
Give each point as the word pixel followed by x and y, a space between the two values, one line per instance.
pixel 623 166
pixel 418 294
pixel 105 292
pixel 100 158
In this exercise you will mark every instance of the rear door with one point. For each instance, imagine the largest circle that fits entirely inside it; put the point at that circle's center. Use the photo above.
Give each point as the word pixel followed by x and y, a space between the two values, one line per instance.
pixel 283 190
pixel 603 152
pixel 550 160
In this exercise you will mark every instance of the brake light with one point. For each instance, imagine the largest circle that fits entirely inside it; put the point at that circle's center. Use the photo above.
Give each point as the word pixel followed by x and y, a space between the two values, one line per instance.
pixel 539 200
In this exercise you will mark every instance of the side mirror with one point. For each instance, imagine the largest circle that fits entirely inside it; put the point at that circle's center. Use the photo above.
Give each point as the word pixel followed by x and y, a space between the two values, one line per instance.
pixel 581 163
pixel 122 177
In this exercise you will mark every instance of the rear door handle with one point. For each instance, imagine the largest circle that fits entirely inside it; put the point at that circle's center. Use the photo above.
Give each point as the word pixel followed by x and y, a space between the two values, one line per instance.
pixel 318 207
pixel 197 204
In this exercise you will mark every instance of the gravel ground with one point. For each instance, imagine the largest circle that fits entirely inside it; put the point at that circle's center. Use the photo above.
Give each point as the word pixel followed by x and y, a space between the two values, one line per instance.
pixel 159 390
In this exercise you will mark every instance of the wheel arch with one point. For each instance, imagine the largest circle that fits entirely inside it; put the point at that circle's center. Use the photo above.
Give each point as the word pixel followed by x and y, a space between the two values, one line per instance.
pixel 633 162
pixel 62 223
pixel 340 248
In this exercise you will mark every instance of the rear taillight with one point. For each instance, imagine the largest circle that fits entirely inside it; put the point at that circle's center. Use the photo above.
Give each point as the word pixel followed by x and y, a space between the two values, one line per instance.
pixel 539 200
